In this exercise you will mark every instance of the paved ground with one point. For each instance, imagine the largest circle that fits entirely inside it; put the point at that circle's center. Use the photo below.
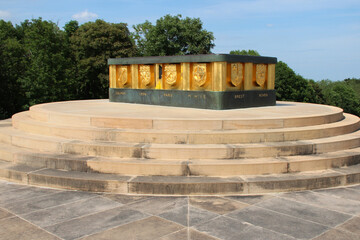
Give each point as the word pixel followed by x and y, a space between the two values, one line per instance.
pixel 39 213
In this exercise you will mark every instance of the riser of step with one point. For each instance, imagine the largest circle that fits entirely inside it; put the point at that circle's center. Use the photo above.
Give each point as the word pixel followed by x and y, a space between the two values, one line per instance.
pixel 47 113
pixel 194 167
pixel 179 151
pixel 349 124
pixel 180 185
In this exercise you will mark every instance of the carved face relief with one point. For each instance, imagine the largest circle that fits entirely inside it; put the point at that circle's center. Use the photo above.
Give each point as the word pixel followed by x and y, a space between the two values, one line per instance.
pixel 170 74
pixel 145 74
pixel 236 74
pixel 123 75
pixel 199 74
pixel 260 74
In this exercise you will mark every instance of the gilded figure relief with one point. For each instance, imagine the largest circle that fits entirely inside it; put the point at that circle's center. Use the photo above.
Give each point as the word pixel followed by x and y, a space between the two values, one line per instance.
pixel 170 74
pixel 123 75
pixel 236 74
pixel 260 74
pixel 145 74
pixel 199 74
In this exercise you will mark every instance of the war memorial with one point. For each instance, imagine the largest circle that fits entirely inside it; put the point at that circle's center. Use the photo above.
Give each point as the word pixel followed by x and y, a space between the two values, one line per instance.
pixel 183 125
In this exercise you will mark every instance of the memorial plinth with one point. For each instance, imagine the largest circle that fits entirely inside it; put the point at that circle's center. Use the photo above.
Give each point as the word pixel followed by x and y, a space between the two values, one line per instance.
pixel 212 81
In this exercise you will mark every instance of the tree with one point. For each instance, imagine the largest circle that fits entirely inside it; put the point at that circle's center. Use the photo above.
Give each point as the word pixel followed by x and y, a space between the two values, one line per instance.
pixel 173 35
pixel 342 95
pixel 354 83
pixel 45 78
pixel 92 44
pixel 244 52
pixel 12 68
pixel 71 27
pixel 290 86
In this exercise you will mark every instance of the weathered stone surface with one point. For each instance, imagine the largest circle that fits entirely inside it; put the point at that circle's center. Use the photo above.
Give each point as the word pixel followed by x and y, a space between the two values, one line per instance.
pixel 94 223
pixel 16 228
pixel 278 222
pixel 145 229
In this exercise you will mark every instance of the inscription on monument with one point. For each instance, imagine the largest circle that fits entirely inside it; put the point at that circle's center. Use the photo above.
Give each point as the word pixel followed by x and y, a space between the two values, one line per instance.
pixel 239 96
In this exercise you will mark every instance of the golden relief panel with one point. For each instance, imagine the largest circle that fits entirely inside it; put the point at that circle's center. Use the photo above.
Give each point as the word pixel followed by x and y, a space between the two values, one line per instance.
pixel 123 75
pixel 145 74
pixel 199 74
pixel 170 74
pixel 260 74
pixel 236 74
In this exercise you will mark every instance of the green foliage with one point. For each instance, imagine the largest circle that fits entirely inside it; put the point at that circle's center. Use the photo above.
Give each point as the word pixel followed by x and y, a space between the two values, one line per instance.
pixel 71 27
pixel 342 95
pixel 41 63
pixel 173 35
pixel 293 87
pixel 92 44
pixel 12 68
pixel 245 52
pixel 45 78
pixel 354 83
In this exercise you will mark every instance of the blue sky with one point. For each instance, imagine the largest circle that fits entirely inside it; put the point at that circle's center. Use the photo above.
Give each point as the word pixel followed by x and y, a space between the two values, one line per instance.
pixel 319 39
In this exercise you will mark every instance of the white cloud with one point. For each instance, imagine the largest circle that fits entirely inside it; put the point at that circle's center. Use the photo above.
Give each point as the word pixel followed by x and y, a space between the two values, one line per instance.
pixel 84 16
pixel 4 14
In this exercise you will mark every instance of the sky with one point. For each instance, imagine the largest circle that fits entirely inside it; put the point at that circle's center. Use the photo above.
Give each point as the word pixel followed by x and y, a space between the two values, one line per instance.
pixel 318 39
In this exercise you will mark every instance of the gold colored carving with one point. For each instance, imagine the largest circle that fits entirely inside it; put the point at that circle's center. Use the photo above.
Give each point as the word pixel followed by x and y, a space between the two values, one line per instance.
pixel 236 74
pixel 123 75
pixel 260 74
pixel 199 74
pixel 145 74
pixel 170 74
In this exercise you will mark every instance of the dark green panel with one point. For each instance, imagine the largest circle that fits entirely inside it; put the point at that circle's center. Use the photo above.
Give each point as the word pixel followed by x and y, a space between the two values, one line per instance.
pixel 192 58
pixel 195 99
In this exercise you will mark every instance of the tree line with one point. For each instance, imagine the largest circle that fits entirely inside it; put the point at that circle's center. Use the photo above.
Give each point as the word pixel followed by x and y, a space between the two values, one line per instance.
pixel 39 62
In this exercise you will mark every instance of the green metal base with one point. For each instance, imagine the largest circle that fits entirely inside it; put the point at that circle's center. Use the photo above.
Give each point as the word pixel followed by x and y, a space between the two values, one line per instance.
pixel 195 99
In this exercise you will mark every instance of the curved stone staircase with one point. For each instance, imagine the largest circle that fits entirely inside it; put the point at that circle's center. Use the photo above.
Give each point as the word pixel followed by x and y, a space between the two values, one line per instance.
pixel 142 149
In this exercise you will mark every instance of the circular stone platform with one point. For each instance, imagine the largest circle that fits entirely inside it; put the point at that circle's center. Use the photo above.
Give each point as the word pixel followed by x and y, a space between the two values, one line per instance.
pixel 97 145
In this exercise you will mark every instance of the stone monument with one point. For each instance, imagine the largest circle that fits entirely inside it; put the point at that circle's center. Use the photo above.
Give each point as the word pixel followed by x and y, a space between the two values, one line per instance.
pixel 213 81
pixel 255 146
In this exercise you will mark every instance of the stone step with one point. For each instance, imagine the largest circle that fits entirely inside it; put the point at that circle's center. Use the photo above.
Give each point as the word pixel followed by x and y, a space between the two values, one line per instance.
pixel 18 138
pixel 349 124
pixel 180 185
pixel 173 167
pixel 103 114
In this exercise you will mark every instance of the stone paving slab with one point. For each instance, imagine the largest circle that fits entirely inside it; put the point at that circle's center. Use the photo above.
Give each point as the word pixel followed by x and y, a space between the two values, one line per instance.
pixel 16 228
pixel 40 213
pixel 346 193
pixel 146 227
pixel 67 212
pixel 278 222
pixel 305 211
pixel 335 234
pixel 47 201
pixel 335 203
pixel 95 223
pixel 188 215
pixel 187 234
